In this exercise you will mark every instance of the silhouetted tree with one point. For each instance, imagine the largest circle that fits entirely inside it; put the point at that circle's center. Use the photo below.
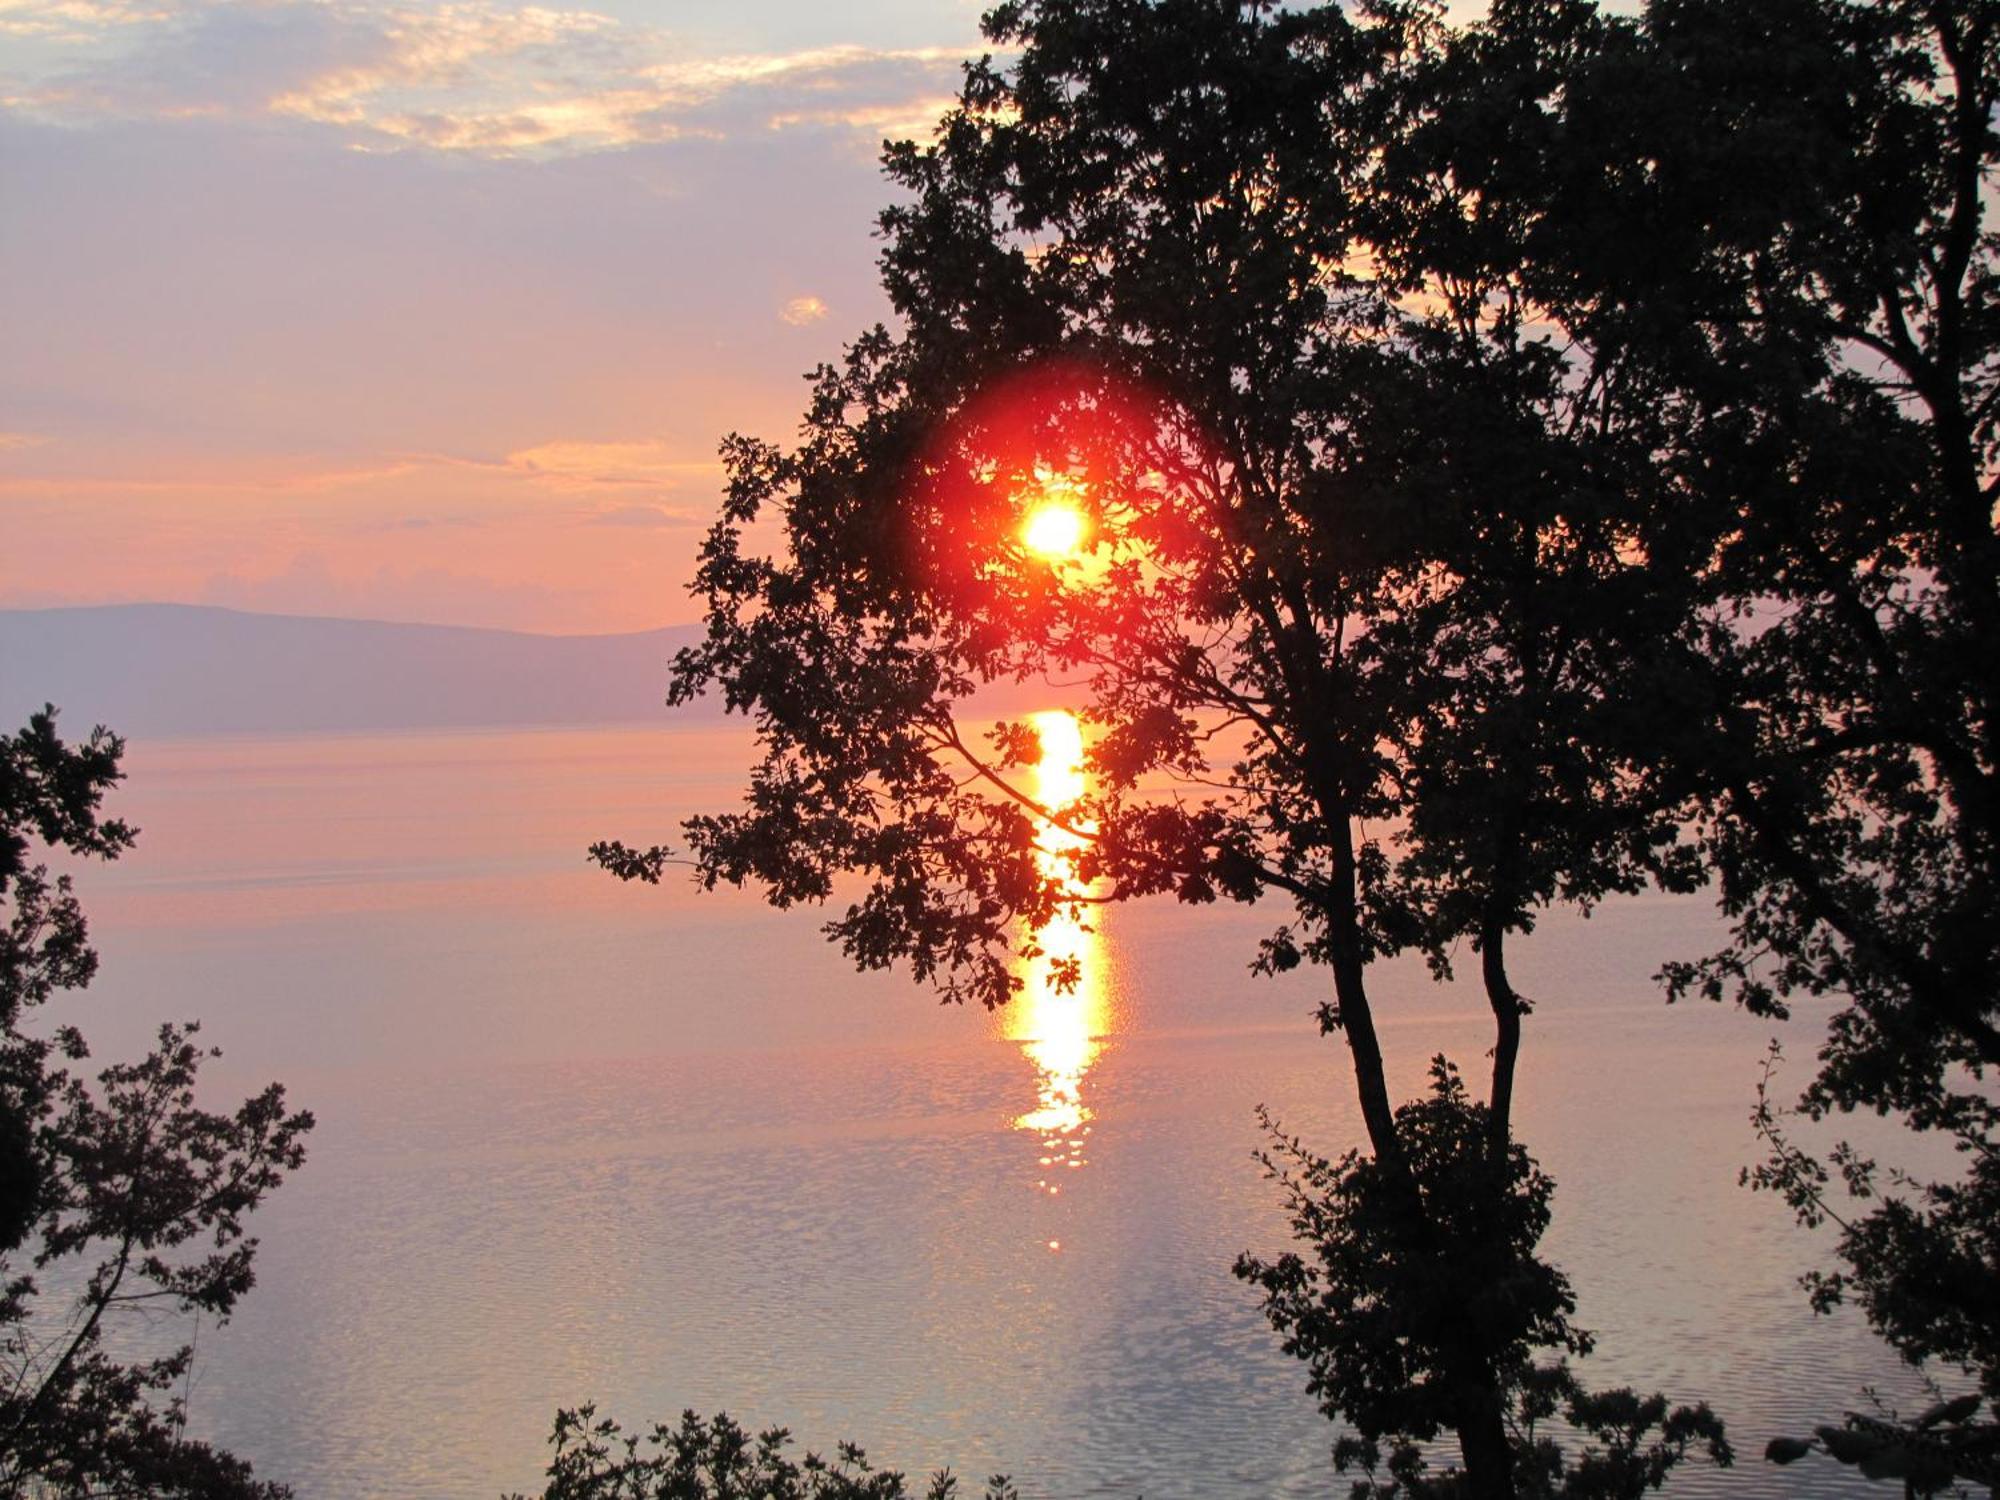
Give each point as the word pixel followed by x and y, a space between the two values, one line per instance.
pixel 1850 764
pixel 121 1192
pixel 1771 223
pixel 1815 296
pixel 1368 550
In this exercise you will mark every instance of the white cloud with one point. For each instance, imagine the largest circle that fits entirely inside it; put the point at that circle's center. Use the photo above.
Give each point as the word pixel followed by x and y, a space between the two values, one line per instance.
pixel 468 76
pixel 909 120
pixel 470 47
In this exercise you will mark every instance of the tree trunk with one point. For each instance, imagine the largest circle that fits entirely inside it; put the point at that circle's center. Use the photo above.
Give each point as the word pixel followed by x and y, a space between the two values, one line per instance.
pixel 1485 1447
pixel 1507 1010
pixel 1482 1433
pixel 1357 1017
pixel 1482 1440
pixel 1371 1085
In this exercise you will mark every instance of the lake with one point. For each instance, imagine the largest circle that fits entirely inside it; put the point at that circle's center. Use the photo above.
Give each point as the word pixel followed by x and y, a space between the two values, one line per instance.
pixel 664 1150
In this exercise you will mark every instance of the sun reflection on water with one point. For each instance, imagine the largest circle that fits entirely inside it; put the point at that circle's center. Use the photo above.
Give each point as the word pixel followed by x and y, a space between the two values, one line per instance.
pixel 1059 1027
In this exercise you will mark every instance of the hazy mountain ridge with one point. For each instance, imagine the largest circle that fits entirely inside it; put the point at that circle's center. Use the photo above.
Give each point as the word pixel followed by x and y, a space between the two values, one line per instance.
pixel 178 670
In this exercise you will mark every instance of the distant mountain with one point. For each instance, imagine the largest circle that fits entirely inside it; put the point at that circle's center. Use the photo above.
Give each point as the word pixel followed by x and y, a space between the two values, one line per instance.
pixel 176 670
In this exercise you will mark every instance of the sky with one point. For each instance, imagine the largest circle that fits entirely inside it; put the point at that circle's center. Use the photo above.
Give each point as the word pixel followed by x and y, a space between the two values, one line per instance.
pixel 425 311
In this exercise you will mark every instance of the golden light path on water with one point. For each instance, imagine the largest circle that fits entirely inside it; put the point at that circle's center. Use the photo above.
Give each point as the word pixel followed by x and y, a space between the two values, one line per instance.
pixel 1060 1028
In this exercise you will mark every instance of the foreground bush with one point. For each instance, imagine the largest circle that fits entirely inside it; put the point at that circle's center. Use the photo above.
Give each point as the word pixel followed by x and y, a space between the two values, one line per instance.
pixel 595 1459
pixel 1399 1306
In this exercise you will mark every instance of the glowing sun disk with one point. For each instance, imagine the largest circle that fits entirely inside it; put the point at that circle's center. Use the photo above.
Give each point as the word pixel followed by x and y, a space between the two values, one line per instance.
pixel 1053 530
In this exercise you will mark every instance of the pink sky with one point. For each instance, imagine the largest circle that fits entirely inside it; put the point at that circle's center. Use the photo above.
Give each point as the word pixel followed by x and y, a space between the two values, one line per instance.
pixel 423 312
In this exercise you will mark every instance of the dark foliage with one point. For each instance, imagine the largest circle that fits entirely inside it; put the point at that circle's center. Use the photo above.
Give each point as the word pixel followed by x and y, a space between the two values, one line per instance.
pixel 1393 1308
pixel 595 1459
pixel 1921 1257
pixel 1934 1454
pixel 1397 1299
pixel 120 1190
pixel 1186 264
pixel 1521 462
pixel 1835 707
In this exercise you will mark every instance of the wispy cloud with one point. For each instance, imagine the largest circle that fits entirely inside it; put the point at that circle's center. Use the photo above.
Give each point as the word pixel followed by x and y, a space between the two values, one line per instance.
pixel 645 517
pixel 76 22
pixel 493 62
pixel 560 467
pixel 470 75
pixel 585 465
pixel 803 310
pixel 453 540
pixel 269 478
pixel 909 119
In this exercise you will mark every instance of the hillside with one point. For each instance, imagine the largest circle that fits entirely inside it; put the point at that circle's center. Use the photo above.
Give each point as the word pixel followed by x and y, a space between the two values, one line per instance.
pixel 176 670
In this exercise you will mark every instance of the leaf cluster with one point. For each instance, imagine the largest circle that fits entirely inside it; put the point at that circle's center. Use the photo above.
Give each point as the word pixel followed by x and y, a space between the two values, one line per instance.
pixel 1397 1304
pixel 1396 1311
pixel 717 1459
pixel 121 1197
pixel 1929 1455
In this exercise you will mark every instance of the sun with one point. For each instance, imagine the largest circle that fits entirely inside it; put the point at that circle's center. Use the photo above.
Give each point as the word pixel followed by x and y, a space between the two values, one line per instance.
pixel 1053 529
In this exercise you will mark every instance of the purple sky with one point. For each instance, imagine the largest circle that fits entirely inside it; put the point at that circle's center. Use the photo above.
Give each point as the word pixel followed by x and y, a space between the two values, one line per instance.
pixel 423 312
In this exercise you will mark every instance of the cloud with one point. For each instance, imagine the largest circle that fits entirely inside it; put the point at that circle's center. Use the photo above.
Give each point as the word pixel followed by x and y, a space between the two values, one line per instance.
pixel 240 478
pixel 466 76
pixel 495 101
pixel 456 542
pixel 74 22
pixel 803 310
pixel 495 60
pixel 554 467
pixel 643 516
pixel 585 465
pixel 910 120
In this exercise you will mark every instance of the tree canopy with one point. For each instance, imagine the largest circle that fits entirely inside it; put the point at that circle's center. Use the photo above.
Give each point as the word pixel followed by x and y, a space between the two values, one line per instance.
pixel 1518 463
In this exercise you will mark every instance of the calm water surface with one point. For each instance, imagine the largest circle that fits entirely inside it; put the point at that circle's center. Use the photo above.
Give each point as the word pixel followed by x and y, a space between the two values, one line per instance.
pixel 664 1150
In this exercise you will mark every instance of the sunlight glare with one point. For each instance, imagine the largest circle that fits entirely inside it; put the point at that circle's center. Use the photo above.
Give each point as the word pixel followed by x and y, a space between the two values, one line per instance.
pixel 1058 1028
pixel 1054 529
